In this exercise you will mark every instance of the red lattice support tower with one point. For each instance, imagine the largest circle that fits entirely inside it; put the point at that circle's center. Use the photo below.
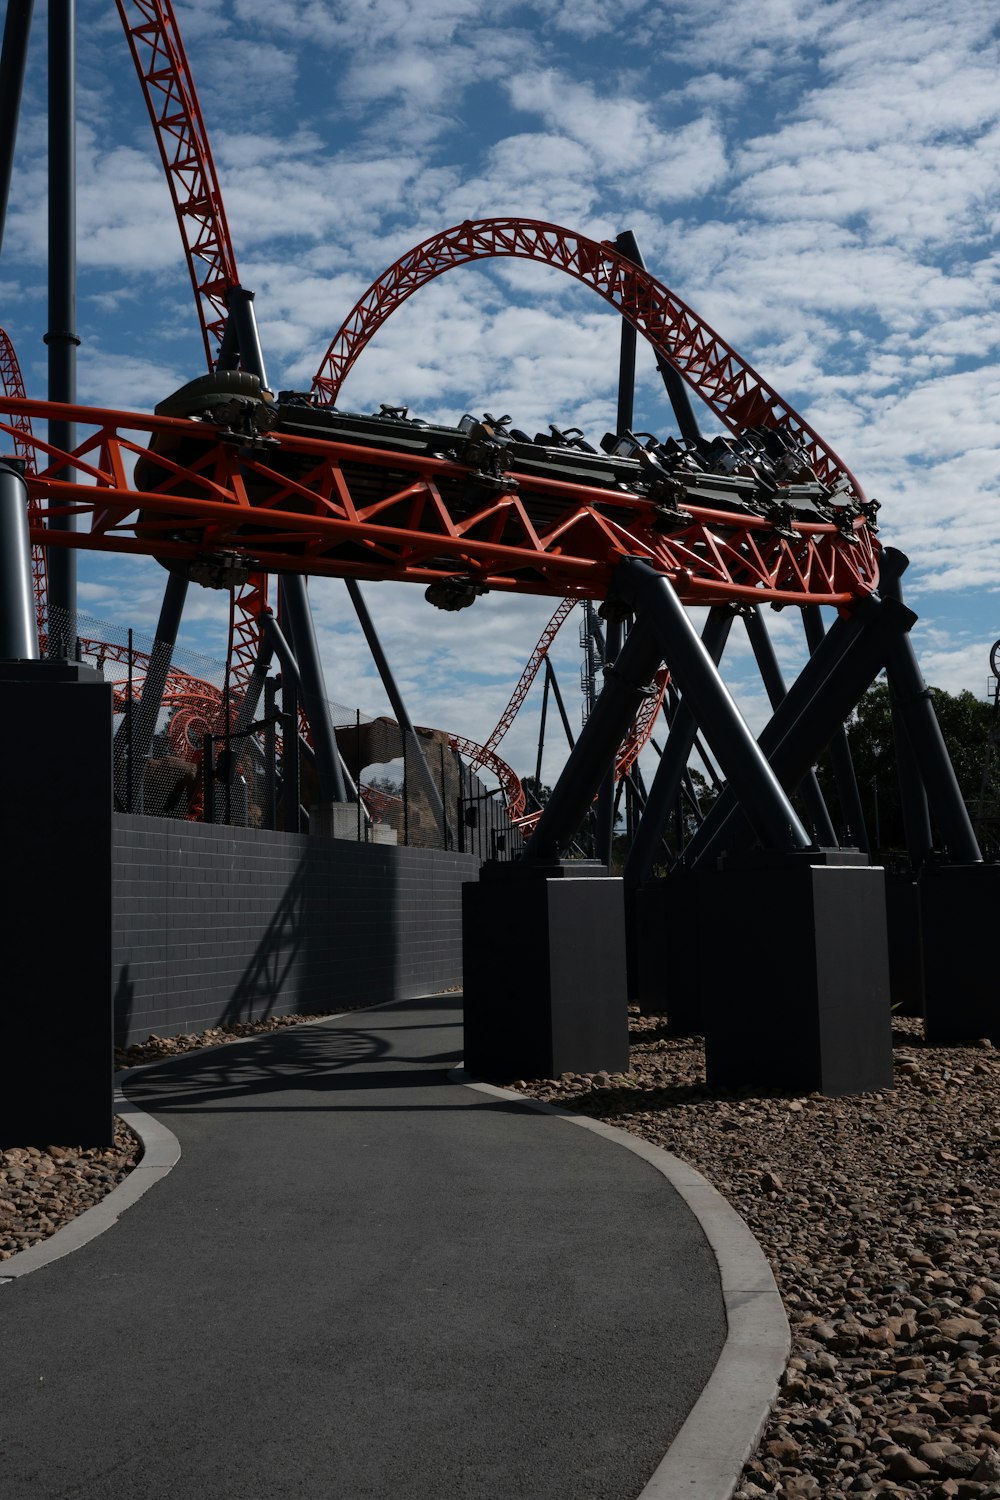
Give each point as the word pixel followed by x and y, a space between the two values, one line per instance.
pixel 162 66
pixel 736 393
pixel 172 101
pixel 22 434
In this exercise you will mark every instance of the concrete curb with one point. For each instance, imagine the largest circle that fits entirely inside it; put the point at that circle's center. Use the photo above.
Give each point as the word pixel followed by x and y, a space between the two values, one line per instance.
pixel 161 1150
pixel 706 1458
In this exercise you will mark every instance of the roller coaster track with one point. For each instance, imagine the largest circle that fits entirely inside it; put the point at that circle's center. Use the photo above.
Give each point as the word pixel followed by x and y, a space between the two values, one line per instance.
pixel 319 505
pixel 172 101
pixel 735 392
pixel 340 509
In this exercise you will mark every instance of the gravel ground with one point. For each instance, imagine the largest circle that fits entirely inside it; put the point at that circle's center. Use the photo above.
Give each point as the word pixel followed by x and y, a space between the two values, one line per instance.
pixel 880 1216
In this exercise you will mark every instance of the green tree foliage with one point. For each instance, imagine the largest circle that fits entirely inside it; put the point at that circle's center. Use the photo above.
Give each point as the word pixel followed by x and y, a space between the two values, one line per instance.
pixel 965 724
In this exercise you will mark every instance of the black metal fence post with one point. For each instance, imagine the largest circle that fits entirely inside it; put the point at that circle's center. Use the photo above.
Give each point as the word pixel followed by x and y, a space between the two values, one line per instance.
pixel 208 773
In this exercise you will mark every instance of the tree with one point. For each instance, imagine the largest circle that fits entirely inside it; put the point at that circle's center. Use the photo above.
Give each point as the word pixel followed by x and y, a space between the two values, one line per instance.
pixel 536 793
pixel 965 726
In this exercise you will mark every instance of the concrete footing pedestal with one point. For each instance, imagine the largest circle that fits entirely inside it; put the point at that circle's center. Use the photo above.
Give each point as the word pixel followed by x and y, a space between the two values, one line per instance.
pixel 56 1066
pixel 796 974
pixel 958 913
pixel 544 971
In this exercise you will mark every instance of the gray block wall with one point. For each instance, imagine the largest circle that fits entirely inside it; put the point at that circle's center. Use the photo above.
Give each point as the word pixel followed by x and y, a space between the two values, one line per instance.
pixel 215 924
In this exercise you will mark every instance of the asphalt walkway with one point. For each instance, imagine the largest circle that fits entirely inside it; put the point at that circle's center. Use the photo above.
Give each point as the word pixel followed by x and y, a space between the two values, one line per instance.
pixel 361 1280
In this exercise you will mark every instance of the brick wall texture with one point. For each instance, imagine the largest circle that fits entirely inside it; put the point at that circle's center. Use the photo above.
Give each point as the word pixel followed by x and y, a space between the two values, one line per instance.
pixel 215 924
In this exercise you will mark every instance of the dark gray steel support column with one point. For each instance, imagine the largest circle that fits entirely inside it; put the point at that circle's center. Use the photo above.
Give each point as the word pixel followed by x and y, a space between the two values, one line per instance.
pixel 774 686
pixel 840 749
pixel 62 337
pixel 550 676
pixel 916 814
pixel 677 391
pixel 328 765
pixel 573 793
pixel 258 677
pixel 647 847
pixel 843 666
pixel 916 709
pixel 18 631
pixel 761 795
pixel 604 841
pixel 144 719
pixel 13 59
pixel 291 781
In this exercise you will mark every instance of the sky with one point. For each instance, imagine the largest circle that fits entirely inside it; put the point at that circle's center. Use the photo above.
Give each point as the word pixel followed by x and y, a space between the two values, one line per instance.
pixel 818 179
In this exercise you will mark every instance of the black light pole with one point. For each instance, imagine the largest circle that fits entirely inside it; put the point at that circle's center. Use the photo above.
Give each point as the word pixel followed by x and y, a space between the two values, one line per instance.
pixel 13 58
pixel 61 338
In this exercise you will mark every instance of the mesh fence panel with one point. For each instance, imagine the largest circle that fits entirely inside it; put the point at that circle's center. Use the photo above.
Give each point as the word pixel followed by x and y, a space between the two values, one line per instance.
pixel 167 701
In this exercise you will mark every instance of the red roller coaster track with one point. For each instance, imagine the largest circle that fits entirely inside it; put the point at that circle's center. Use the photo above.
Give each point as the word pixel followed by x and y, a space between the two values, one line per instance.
pixel 324 506
pixel 734 391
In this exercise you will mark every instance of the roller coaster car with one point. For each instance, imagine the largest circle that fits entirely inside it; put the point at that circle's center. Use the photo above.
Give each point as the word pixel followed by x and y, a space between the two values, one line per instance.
pixel 762 472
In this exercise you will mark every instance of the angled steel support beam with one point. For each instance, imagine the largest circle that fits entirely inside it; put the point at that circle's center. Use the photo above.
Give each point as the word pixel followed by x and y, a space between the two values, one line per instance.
pixel 395 698
pixel 624 686
pixel 314 698
pixel 606 805
pixel 839 747
pixel 774 686
pixel 762 797
pixel 255 687
pixel 915 706
pixel 843 666
pixel 916 813
pixel 143 726
pixel 677 391
pixel 647 846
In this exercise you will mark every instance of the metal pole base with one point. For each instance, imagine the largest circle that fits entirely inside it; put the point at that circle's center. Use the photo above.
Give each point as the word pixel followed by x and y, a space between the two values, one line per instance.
pixel 565 1010
pixel 796 975
pixel 958 907
pixel 666 954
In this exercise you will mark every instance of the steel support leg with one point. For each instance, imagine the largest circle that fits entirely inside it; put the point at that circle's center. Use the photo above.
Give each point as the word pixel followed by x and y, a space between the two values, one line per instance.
pixel 774 686
pixel 913 699
pixel 916 814
pixel 842 668
pixel 624 685
pixel 255 687
pixel 399 708
pixel 328 764
pixel 840 750
pixel 606 795
pixel 144 719
pixel 18 631
pixel 663 792
pixel 677 391
pixel 747 771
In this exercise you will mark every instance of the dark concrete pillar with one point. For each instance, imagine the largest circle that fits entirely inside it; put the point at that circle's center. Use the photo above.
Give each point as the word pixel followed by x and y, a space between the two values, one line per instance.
pixel 565 1010
pixel 56 1062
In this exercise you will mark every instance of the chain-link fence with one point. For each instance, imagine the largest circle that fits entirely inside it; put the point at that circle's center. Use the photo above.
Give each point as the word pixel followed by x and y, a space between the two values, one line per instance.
pixel 190 744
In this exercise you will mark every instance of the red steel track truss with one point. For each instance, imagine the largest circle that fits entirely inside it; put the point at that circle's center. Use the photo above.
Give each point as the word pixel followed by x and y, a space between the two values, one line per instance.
pixel 737 395
pixel 343 510
pixel 24 449
pixel 172 101
pixel 162 66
